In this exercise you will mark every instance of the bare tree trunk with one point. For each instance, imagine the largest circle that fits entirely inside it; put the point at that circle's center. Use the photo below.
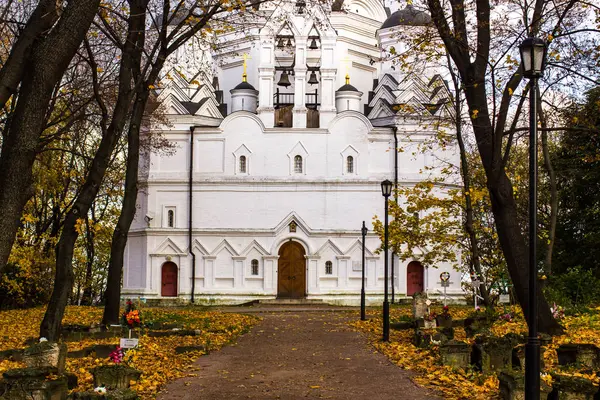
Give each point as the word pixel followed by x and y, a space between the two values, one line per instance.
pixel 48 61
pixel 86 298
pixel 466 177
pixel 41 20
pixel 553 188
pixel 490 139
pixel 119 239
pixel 130 62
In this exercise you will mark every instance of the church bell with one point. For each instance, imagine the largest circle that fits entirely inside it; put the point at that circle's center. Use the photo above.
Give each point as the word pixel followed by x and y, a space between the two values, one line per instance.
pixel 284 80
pixel 313 78
pixel 313 45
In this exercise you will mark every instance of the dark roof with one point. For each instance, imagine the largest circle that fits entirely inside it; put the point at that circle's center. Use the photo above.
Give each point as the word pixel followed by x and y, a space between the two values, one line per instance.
pixel 347 88
pixel 408 16
pixel 244 85
pixel 192 107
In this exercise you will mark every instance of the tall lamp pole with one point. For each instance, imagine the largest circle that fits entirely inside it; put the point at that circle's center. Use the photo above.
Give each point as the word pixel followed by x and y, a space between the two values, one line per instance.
pixel 386 191
pixel 533 56
pixel 362 289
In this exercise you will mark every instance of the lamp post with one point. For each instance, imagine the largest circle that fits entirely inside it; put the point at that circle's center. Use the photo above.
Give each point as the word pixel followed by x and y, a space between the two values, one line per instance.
pixel 362 289
pixel 386 191
pixel 533 56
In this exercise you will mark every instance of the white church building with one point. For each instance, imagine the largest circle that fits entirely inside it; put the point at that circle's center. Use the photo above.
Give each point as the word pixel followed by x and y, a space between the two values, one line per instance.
pixel 278 154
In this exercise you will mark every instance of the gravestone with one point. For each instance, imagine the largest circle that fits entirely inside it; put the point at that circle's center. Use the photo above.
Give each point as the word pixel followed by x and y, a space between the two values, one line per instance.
pixel 419 305
pixel 572 388
pixel 455 354
pixel 114 376
pixel 582 354
pixel 493 354
pixel 46 354
pixel 512 386
pixel 33 384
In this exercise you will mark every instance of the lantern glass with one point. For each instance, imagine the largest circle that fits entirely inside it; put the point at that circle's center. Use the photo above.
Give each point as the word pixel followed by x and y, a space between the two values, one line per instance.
pixel 533 56
pixel 386 188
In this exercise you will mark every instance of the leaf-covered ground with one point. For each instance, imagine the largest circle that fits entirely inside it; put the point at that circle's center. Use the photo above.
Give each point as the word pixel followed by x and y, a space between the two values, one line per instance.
pixel 470 384
pixel 155 357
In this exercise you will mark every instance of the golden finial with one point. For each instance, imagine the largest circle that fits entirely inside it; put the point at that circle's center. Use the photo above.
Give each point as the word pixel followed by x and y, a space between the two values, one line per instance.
pixel 245 56
pixel 347 62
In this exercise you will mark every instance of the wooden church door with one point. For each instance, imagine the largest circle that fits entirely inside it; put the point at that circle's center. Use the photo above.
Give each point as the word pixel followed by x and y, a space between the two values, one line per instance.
pixel 169 280
pixel 291 271
pixel 414 278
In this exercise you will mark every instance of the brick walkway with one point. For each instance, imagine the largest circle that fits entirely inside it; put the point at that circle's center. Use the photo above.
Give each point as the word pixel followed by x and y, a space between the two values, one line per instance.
pixel 298 355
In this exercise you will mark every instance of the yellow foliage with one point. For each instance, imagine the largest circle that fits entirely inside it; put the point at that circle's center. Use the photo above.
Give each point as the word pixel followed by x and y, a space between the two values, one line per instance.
pixel 461 384
pixel 155 357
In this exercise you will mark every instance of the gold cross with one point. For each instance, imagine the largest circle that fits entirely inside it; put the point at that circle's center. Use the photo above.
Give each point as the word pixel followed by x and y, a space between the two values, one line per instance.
pixel 347 62
pixel 245 56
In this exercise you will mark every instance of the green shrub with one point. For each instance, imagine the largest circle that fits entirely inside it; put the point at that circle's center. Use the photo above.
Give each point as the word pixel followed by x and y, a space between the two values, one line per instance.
pixel 577 288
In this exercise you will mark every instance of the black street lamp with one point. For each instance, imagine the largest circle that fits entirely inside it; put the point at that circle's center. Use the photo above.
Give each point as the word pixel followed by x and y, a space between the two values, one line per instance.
pixel 386 191
pixel 362 289
pixel 533 57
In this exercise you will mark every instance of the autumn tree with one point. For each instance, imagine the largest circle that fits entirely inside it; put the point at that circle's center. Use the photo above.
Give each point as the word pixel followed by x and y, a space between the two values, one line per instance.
pixel 480 40
pixel 48 42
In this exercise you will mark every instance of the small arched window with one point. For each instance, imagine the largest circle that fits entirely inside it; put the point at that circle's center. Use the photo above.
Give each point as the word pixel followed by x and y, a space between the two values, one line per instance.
pixel 350 164
pixel 243 164
pixel 328 268
pixel 298 164
pixel 254 266
pixel 170 218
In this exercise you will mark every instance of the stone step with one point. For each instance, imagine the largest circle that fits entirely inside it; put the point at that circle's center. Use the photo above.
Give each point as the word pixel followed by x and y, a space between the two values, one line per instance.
pixel 291 302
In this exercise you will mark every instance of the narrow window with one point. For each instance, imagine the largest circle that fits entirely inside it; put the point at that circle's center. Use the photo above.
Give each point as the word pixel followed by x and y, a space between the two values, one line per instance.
pixel 243 164
pixel 298 164
pixel 170 218
pixel 254 265
pixel 350 164
pixel 328 268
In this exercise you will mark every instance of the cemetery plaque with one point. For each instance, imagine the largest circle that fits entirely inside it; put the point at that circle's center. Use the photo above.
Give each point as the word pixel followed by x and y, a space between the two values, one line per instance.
pixel 128 343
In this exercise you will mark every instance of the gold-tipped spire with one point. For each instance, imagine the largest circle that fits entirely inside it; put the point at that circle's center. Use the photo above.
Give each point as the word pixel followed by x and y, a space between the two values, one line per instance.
pixel 347 63
pixel 245 56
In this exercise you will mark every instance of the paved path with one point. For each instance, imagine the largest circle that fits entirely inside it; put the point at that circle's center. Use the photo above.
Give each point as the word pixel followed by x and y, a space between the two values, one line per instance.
pixel 298 355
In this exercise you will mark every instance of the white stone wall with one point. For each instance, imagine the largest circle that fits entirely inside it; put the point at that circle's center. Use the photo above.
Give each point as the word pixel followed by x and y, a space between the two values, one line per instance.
pixel 241 217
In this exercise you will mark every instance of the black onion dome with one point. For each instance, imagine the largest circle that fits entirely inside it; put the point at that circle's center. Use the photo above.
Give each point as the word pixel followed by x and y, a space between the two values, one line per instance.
pixel 408 16
pixel 244 85
pixel 347 88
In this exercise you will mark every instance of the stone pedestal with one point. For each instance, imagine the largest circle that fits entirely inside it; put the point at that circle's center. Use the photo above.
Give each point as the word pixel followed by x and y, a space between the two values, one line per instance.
pixel 419 305
pixel 512 386
pixel 455 354
pixel 573 388
pixel 582 354
pixel 33 384
pixel 493 354
pixel 114 376
pixel 46 354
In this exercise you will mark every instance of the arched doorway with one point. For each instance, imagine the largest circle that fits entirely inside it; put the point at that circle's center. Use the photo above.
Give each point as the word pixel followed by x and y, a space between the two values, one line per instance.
pixel 291 271
pixel 169 280
pixel 414 278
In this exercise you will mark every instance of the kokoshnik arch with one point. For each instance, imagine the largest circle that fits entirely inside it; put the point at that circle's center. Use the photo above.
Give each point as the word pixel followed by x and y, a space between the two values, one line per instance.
pixel 277 157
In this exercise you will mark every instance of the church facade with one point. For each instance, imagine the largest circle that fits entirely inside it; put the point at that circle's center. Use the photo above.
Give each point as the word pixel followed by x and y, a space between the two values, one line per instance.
pixel 276 158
